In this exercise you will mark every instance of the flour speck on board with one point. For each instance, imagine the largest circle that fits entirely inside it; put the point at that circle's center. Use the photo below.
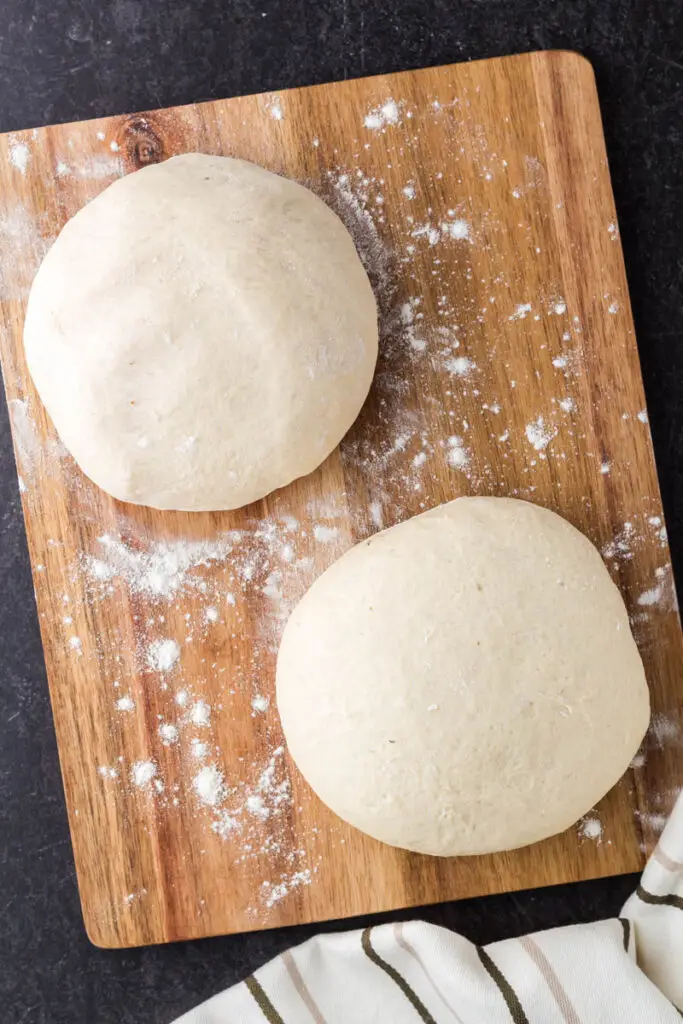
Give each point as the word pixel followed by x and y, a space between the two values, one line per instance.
pixel 591 828
pixel 25 436
pixel 160 570
pixel 325 534
pixel 458 229
pixel 19 156
pixel 142 773
pixel 456 454
pixel 459 366
pixel 209 784
pixel 22 246
pixel 168 733
pixel 162 655
pixel 521 311
pixel 387 114
pixel 274 893
pixel 665 730
pixel 275 110
pixel 538 434
pixel 200 713
pixel 100 168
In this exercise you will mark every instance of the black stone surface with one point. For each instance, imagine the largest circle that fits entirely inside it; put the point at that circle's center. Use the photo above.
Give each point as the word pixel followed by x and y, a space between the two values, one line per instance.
pixel 66 60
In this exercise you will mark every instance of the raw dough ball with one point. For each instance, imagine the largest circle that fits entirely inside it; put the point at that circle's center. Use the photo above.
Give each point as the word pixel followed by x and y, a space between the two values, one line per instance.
pixel 201 333
pixel 465 682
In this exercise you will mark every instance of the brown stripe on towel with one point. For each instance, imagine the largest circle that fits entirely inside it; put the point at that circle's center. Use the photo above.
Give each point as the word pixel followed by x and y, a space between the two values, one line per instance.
pixel 547 971
pixel 301 987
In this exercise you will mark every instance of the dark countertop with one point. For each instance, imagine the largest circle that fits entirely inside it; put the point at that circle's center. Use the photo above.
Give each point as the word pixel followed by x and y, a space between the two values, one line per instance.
pixel 71 59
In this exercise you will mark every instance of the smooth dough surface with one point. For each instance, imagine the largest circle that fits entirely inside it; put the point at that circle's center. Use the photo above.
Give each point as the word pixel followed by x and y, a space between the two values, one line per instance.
pixel 464 682
pixel 201 333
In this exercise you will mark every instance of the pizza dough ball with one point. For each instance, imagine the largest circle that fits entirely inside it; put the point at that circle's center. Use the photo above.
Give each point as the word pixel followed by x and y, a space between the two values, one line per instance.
pixel 465 682
pixel 201 333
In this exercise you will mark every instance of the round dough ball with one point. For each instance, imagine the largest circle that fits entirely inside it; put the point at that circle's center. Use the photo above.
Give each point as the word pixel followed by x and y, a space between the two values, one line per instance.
pixel 465 682
pixel 201 333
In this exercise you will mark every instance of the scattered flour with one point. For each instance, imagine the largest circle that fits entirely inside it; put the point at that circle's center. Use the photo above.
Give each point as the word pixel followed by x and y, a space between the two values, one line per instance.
pixel 521 311
pixel 591 828
pixel 169 733
pixel 665 730
pixel 142 773
pixel 273 894
pixel 162 655
pixel 378 117
pixel 325 534
pixel 650 597
pixel 19 156
pixel 24 433
pixel 199 749
pixel 101 167
pixel 539 435
pixel 459 366
pixel 125 704
pixel 377 515
pixel 458 229
pixel 200 714
pixel 209 785
pixel 456 454
pixel 160 571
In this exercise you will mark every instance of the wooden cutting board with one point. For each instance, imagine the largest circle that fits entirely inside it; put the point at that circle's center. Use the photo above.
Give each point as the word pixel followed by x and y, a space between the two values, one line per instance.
pixel 480 199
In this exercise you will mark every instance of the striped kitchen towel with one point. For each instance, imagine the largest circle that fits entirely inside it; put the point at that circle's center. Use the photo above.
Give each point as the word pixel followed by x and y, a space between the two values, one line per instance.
pixel 628 970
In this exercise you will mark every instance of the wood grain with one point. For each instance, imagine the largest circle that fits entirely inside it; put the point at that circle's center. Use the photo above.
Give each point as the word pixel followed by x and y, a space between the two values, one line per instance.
pixel 528 290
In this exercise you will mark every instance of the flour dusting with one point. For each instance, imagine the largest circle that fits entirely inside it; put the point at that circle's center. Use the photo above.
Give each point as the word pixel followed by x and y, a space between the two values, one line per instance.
pixel 19 156
pixel 388 114
pixel 161 570
pixel 539 435
pixel 162 655
pixel 591 828
pixel 209 785
pixel 142 773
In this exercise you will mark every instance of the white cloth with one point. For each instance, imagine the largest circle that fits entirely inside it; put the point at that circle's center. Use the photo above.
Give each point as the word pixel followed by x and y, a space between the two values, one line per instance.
pixel 627 970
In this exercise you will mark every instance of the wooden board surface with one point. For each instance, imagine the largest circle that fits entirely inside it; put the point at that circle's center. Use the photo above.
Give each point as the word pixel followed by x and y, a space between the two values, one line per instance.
pixel 479 197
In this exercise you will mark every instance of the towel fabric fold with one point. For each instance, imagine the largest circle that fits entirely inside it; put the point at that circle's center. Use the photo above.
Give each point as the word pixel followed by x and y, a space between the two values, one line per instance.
pixel 628 969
